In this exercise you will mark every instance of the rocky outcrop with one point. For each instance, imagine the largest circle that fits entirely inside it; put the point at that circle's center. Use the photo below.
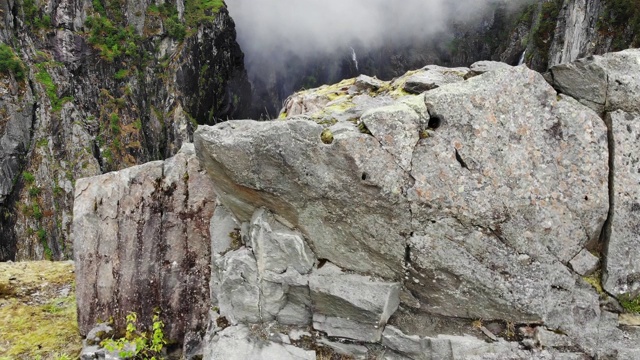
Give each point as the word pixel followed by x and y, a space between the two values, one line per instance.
pixel 107 85
pixel 424 217
pixel 458 203
pixel 610 85
pixel 141 244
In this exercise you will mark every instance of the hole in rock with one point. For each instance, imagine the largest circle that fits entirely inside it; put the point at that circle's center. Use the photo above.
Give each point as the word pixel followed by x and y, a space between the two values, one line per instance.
pixel 364 176
pixel 435 122
pixel 321 262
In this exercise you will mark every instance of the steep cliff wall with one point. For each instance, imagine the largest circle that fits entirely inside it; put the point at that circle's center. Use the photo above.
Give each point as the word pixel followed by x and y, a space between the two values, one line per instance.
pixel 99 86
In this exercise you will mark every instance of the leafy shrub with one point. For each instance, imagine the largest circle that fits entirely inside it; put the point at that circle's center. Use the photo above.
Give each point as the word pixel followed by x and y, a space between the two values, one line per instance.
pixel 136 344
pixel 175 28
pixel 10 63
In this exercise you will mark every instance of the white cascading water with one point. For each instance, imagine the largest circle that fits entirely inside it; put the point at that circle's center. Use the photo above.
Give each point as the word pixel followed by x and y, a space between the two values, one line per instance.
pixel 354 58
pixel 522 58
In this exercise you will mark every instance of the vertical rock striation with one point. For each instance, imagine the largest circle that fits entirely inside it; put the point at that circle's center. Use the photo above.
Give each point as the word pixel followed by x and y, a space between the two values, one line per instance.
pixel 141 244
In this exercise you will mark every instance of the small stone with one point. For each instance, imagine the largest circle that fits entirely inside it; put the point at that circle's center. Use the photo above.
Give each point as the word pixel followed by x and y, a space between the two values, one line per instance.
pixel 546 338
pixel 584 263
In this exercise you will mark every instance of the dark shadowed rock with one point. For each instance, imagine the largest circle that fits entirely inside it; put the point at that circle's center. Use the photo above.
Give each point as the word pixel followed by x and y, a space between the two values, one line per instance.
pixel 141 242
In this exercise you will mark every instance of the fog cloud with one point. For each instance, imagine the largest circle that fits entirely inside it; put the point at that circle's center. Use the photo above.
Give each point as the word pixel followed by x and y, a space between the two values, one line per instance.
pixel 311 26
pixel 274 34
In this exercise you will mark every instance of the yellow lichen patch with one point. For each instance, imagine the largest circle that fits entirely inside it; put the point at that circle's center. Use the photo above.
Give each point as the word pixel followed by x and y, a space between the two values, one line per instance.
pixel 332 92
pixel 594 280
pixel 340 106
pixel 38 311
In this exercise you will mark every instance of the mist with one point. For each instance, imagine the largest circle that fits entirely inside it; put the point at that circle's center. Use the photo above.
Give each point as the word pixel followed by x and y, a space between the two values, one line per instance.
pixel 279 37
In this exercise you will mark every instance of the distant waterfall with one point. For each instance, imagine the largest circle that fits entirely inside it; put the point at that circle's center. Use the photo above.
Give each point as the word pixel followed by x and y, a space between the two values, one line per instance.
pixel 354 58
pixel 522 58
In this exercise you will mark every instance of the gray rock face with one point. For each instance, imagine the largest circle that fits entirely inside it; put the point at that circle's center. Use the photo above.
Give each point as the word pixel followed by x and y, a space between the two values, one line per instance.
pixel 141 241
pixel 267 280
pixel 237 343
pixel 576 31
pixel 351 306
pixel 317 195
pixel 452 347
pixel 604 83
pixel 431 77
pixel 481 67
pixel 584 263
pixel 474 200
pixel 275 278
pixel 17 112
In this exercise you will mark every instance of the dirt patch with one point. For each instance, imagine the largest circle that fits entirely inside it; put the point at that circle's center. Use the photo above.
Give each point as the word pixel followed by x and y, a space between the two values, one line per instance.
pixel 38 311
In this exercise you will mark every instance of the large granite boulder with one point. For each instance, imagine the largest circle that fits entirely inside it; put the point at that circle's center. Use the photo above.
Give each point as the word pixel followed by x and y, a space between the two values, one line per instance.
pixel 475 195
pixel 141 242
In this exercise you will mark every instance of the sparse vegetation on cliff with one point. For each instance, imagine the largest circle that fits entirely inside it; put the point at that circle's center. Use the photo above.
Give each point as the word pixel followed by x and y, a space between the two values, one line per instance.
pixel 621 21
pixel 112 41
pixel 10 63
pixel 542 35
pixel 197 12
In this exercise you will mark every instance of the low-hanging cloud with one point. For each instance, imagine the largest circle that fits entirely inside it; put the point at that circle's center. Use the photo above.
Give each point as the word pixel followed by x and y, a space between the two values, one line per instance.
pixel 310 26
pixel 271 31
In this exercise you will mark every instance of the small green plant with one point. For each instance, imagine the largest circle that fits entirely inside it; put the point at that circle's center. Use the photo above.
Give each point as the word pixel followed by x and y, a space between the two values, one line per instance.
pixel 10 63
pixel 51 89
pixel 629 303
pixel 595 281
pixel 28 177
pixel 136 344
pixel 121 74
pixel 37 213
pixel 114 122
pixel 34 191
pixel 326 136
